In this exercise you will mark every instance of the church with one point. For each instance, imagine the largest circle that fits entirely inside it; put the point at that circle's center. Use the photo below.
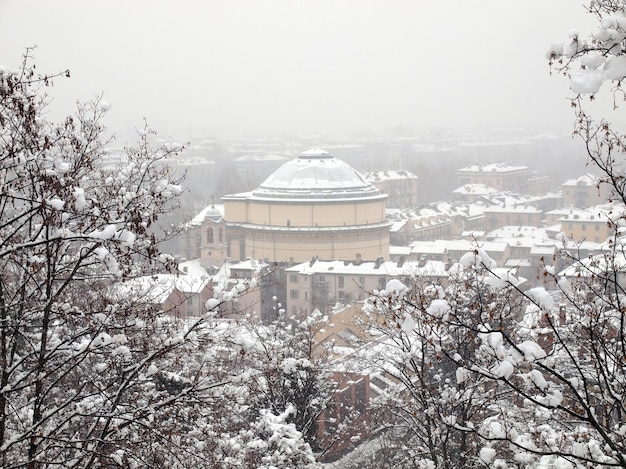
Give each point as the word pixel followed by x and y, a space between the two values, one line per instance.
pixel 314 206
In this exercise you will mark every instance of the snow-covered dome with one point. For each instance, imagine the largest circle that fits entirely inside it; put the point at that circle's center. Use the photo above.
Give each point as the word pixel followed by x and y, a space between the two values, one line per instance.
pixel 213 213
pixel 315 174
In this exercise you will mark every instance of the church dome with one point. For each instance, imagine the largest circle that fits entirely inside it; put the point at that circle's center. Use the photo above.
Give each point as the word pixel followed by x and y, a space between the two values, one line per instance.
pixel 315 174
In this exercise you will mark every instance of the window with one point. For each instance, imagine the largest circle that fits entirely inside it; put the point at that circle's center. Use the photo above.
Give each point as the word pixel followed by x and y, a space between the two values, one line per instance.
pixel 209 235
pixel 293 278
pixel 340 295
pixel 584 227
pixel 597 227
pixel 293 294
pixel 362 281
pixel 381 283
pixel 221 235
pixel 340 281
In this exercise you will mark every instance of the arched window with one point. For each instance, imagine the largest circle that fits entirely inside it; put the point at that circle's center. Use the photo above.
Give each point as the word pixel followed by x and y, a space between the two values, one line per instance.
pixel 221 235
pixel 209 235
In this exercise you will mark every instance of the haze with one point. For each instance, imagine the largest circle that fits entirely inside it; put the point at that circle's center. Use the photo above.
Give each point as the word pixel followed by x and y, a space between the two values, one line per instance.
pixel 260 68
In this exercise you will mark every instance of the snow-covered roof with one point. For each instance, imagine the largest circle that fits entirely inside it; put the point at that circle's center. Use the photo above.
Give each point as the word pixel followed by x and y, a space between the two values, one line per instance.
pixel 475 189
pixel 514 232
pixel 387 268
pixel 600 213
pixel 493 167
pixel 399 250
pixel 543 250
pixel 442 246
pixel 192 267
pixel 157 288
pixel 316 174
pixel 437 209
pixel 512 209
pixel 587 179
pixel 596 265
pixel 389 175
pixel 214 212
pixel 397 226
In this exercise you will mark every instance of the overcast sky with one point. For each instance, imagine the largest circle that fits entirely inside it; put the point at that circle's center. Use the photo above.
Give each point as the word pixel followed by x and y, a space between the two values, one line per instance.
pixel 221 68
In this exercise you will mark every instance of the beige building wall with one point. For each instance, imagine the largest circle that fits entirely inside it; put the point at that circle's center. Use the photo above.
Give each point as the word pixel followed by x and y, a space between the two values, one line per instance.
pixel 299 247
pixel 235 208
pixel 295 232
pixel 311 213
pixel 597 230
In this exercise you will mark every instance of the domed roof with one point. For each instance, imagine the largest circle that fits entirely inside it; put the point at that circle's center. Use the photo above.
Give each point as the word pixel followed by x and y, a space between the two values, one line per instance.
pixel 212 212
pixel 315 174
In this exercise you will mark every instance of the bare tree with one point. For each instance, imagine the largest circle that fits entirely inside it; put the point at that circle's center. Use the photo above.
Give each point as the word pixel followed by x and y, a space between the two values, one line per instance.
pixel 545 368
pixel 89 376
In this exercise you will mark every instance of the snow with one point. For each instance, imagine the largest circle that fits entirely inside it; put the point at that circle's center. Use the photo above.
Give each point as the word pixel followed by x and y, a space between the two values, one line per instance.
pixel 496 430
pixel 462 375
pixel 487 454
pixel 104 106
pixel 504 369
pixel 562 463
pixel 126 237
pixel 532 351
pixel 536 377
pixel 593 60
pixel 551 400
pixel 395 285
pixel 408 325
pixel 79 198
pixel 586 81
pixel 541 297
pixel 107 233
pixel 438 308
pixel 56 203
pixel 477 258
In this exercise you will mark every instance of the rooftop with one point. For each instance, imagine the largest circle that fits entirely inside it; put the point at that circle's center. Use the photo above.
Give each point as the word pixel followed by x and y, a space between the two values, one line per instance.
pixel 315 174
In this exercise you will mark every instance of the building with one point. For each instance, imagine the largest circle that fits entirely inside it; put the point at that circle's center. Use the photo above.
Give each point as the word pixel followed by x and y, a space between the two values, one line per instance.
pixel 401 187
pixel 312 206
pixel 500 176
pixel 498 216
pixel 593 224
pixel 205 238
pixel 177 295
pixel 451 251
pixel 435 221
pixel 585 191
pixel 322 284
pixel 471 192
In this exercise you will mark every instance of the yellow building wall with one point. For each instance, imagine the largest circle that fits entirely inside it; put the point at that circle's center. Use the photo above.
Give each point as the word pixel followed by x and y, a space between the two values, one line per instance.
pixel 290 244
pixel 235 210
pixel 595 231
pixel 275 213
pixel 275 248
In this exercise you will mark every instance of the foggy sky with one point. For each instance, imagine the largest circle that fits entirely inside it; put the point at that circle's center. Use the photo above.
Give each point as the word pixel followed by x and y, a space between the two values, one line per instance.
pixel 272 67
